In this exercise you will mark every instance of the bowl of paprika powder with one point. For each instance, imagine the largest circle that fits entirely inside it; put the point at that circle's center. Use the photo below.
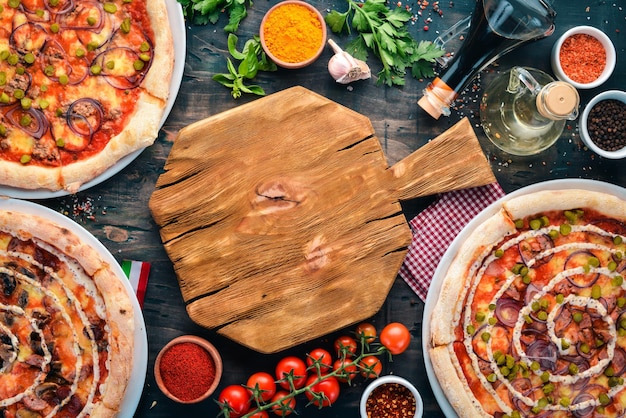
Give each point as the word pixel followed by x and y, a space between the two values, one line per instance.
pixel 293 34
pixel 188 369
pixel 583 56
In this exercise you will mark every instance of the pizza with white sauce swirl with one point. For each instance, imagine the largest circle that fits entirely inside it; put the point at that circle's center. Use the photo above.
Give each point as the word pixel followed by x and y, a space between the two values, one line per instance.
pixel 66 324
pixel 531 317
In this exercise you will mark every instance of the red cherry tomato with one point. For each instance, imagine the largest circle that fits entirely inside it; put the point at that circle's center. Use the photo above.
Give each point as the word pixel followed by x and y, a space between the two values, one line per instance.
pixel 262 386
pixel 236 398
pixel 345 346
pixel 258 414
pixel 366 332
pixel 395 337
pixel 321 357
pixel 285 406
pixel 371 367
pixel 349 370
pixel 294 366
pixel 329 387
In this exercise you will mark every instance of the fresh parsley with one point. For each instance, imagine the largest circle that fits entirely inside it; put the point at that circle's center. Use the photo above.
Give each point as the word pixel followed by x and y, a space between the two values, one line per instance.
pixel 252 59
pixel 201 12
pixel 384 32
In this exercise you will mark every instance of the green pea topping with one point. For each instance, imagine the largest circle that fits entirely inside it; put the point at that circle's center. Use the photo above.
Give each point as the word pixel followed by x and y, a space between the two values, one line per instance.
pixel 577 317
pixel 144 47
pixel 144 57
pixel 596 291
pixel 519 223
pixel 125 26
pixel 492 377
pixel 480 316
pixel 493 321
pixel 20 71
pixel 3 130
pixel 54 28
pixel 64 79
pixel 617 281
pixel 535 306
pixel 4 54
pixel 18 93
pixel 565 229
pixel 43 104
pixel 3 78
pixel 14 3
pixel 564 402
pixel 485 336
pixel 54 3
pixel 4 98
pixel 29 58
pixel 548 388
pixel 48 70
pixel 26 103
pixel 59 112
pixel 545 377
pixel 621 301
pixel 535 224
pixel 542 315
pixel 560 298
pixel 492 306
pixel 39 13
pixel 110 64
pixel 91 20
pixel 526 280
pixel 516 414
pixel 617 240
pixel 60 142
pixel 138 65
pixel 499 253
pixel 572 368
pixel 92 46
pixel 13 59
pixel 564 344
pixel 593 261
pixel 584 348
pixel 534 366
pixel 110 7
pixel 553 233
pixel 470 329
pixel 612 265
pixel 604 399
pixel 96 69
pixel 609 371
pixel 25 120
pixel 44 87
pixel 528 319
pixel 25 159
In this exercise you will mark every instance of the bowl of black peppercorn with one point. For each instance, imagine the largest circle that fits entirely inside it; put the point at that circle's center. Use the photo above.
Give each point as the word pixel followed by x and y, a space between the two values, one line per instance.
pixel 603 124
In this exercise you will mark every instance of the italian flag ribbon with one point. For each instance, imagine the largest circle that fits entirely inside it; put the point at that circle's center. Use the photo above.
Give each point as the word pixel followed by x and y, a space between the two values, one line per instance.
pixel 137 272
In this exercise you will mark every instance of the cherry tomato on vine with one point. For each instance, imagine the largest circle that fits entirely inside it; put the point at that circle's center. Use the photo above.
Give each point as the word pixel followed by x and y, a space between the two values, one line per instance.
pixel 349 370
pixel 320 356
pixel 237 398
pixel 262 385
pixel 329 387
pixel 285 406
pixel 371 367
pixel 366 331
pixel 345 346
pixel 258 414
pixel 395 337
pixel 296 367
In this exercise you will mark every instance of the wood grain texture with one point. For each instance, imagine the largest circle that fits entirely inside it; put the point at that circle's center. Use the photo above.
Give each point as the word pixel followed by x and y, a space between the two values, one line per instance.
pixel 287 204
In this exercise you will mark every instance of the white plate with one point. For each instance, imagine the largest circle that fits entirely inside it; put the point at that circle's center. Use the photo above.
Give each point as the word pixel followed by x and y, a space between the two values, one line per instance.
pixel 177 24
pixel 435 287
pixel 140 353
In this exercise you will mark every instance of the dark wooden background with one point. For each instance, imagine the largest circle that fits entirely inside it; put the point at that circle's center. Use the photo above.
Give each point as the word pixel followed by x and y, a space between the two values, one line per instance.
pixel 116 211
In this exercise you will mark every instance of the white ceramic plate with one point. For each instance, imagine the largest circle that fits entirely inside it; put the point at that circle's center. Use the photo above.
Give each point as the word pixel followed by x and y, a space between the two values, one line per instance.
pixel 140 354
pixel 177 24
pixel 435 287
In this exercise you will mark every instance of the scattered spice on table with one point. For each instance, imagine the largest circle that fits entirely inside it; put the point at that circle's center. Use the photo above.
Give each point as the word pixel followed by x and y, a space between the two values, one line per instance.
pixel 582 58
pixel 606 124
pixel 391 400
pixel 293 32
pixel 187 370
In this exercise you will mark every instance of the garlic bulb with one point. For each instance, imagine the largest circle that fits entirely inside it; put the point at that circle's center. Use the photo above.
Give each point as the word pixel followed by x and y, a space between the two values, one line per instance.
pixel 344 68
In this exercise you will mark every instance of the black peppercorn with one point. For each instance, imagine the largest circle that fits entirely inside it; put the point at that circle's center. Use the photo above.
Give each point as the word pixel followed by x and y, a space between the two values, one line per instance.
pixel 606 124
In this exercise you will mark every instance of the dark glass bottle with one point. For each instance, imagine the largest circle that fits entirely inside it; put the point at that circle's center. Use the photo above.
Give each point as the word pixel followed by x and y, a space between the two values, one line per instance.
pixel 496 28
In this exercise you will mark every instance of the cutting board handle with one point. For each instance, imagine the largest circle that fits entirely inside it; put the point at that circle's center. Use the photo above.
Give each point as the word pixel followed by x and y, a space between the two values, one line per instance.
pixel 453 160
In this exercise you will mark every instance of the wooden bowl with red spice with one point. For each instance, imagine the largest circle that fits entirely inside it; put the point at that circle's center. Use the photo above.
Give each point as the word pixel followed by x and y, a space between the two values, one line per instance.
pixel 583 56
pixel 188 369
pixel 293 34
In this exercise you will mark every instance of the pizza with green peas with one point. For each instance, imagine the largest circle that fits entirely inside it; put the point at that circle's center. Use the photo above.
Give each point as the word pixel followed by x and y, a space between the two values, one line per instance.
pixel 83 83
pixel 531 318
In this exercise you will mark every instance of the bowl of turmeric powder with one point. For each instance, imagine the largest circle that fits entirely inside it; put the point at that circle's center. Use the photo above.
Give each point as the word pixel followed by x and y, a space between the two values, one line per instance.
pixel 583 56
pixel 293 34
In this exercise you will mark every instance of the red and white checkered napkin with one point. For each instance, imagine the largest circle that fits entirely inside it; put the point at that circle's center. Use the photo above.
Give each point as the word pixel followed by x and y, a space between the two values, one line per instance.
pixel 435 228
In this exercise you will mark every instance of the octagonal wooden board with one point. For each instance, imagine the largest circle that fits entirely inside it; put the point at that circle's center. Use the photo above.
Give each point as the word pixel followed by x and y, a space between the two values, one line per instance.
pixel 282 217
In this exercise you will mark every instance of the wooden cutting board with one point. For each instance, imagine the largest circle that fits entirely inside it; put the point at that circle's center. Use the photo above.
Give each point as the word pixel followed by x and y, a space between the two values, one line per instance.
pixel 282 216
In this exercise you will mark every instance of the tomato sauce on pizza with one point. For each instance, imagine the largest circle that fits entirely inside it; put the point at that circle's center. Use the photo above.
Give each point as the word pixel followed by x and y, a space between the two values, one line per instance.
pixel 539 325
pixel 83 83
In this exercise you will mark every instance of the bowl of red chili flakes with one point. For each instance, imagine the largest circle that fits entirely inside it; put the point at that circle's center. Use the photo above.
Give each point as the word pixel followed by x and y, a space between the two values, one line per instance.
pixel 391 396
pixel 188 369
pixel 583 56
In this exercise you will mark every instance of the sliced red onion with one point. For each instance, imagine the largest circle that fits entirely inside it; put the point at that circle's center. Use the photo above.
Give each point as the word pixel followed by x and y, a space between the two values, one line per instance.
pixel 531 247
pixel 507 311
pixel 585 412
pixel 53 54
pixel 562 320
pixel 578 259
pixel 562 366
pixel 63 6
pixel 39 123
pixel 122 82
pixel 531 291
pixel 85 124
pixel 77 20
pixel 619 361
pixel 544 352
pixel 28 34
pixel 611 225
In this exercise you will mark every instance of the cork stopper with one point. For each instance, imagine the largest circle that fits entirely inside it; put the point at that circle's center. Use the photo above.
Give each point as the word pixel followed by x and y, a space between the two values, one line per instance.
pixel 558 100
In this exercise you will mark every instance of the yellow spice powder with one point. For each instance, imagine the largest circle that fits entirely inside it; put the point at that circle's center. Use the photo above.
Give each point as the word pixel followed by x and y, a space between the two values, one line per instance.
pixel 293 33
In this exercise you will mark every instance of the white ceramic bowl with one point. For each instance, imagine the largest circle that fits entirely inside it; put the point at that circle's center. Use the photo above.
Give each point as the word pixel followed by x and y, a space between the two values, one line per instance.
pixel 606 43
pixel 584 133
pixel 419 406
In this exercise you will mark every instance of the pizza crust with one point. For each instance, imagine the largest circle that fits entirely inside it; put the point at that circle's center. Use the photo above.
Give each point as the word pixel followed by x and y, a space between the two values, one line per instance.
pixel 118 306
pixel 29 176
pixel 163 61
